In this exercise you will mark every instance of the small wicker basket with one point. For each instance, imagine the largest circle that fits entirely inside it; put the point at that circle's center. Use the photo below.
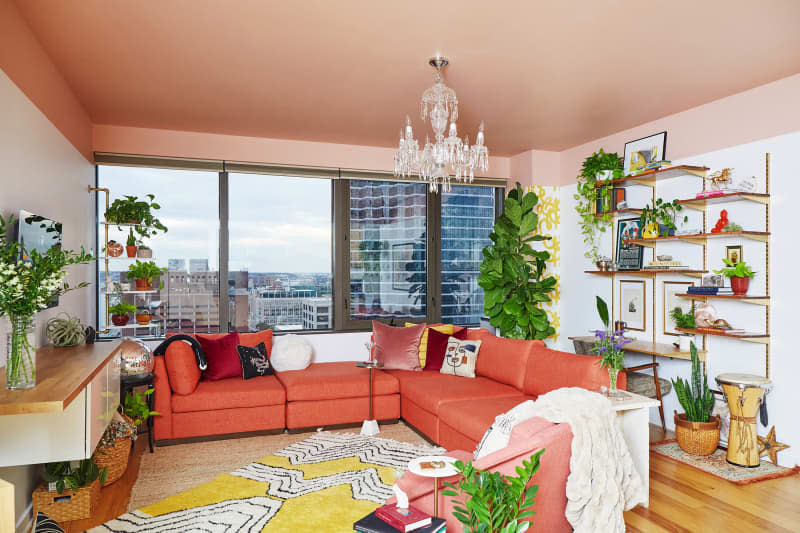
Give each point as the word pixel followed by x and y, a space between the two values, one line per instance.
pixel 69 505
pixel 697 438
pixel 115 458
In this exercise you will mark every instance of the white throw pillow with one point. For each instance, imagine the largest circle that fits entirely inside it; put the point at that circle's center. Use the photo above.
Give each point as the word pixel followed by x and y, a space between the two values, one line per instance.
pixel 290 352
pixel 460 357
pixel 499 433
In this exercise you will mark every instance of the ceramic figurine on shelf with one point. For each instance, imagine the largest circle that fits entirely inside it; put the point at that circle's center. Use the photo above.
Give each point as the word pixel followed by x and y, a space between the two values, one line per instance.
pixel 721 223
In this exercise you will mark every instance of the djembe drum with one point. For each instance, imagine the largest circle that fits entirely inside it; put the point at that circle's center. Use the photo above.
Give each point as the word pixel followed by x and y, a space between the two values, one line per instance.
pixel 745 393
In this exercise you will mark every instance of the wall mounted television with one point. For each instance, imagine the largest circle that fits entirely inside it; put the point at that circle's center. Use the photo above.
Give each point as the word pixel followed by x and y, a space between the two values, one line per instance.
pixel 35 232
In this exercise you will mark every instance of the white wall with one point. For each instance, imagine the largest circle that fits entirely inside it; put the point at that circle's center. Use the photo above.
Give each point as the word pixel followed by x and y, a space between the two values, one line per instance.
pixel 43 173
pixel 725 355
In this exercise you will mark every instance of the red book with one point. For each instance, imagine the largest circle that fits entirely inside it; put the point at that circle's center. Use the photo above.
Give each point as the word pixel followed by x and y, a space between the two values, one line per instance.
pixel 403 519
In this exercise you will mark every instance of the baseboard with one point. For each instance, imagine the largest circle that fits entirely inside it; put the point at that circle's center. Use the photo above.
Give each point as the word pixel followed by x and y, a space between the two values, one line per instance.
pixel 25 522
pixel 222 436
pixel 334 427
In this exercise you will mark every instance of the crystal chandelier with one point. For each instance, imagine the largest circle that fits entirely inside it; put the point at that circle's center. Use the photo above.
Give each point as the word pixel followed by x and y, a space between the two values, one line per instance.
pixel 446 157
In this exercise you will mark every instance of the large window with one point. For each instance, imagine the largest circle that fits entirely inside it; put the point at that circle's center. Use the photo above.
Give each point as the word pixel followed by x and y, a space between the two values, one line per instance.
pixel 279 274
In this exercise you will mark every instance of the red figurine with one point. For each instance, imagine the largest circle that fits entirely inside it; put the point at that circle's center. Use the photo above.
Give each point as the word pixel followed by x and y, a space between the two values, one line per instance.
pixel 722 222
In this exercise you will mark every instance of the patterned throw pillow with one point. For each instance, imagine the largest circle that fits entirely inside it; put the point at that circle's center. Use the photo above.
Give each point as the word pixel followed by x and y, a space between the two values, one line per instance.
pixel 460 357
pixel 254 361
pixel 45 524
pixel 447 329
pixel 498 435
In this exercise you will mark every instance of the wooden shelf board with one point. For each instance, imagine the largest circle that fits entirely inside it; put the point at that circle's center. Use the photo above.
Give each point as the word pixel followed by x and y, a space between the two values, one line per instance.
pixel 700 204
pixel 124 224
pixel 61 374
pixel 701 238
pixel 648 273
pixel 108 258
pixel 659 349
pixel 650 177
pixel 761 338
pixel 138 292
pixel 755 300
pixel 620 213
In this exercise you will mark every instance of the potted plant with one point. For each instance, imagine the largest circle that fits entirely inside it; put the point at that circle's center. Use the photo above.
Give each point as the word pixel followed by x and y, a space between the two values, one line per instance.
pixel 492 502
pixel 114 249
pixel 135 406
pixel 144 252
pixel 684 321
pixel 513 273
pixel 70 492
pixel 145 273
pixel 594 182
pixel 119 313
pixel 696 429
pixel 610 347
pixel 130 249
pixel 131 210
pixel 143 316
pixel 659 219
pixel 739 273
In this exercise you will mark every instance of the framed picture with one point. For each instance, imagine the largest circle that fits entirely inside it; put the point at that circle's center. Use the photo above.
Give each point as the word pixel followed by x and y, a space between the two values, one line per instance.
pixel 642 152
pixel 712 280
pixel 734 253
pixel 402 255
pixel 633 304
pixel 671 300
pixel 629 256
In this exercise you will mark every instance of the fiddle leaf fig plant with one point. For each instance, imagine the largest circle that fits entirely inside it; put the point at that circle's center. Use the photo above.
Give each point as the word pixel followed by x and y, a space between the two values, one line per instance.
pixel 513 273
pixel 594 181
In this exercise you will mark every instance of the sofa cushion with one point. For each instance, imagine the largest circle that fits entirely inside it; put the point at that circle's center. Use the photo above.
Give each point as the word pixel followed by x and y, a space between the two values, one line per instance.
pixel 221 356
pixel 429 390
pixel 250 339
pixel 231 393
pixel 473 417
pixel 397 348
pixel 460 357
pixel 448 329
pixel 504 360
pixel 254 361
pixel 330 381
pixel 437 346
pixel 182 370
pixel 550 369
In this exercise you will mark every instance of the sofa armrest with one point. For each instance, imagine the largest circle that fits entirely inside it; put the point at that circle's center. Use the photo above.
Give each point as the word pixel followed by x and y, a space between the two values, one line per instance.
pixel 162 423
pixel 551 369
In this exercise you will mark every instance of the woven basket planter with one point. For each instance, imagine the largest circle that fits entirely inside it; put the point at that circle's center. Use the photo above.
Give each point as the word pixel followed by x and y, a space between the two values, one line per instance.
pixel 115 458
pixel 697 438
pixel 69 505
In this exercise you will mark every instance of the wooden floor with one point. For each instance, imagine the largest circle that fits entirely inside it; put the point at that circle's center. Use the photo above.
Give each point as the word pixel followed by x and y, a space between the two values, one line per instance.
pixel 682 499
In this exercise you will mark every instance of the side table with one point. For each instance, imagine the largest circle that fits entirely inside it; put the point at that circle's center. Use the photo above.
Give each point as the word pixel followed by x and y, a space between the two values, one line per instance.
pixel 446 470
pixel 370 426
pixel 127 383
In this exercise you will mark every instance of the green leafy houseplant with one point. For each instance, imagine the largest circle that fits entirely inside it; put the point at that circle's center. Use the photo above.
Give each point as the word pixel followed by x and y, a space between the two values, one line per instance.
pixel 136 407
pixel 122 308
pixel 145 270
pixel 131 239
pixel 513 273
pixel 132 210
pixel 735 270
pixel 65 476
pixel 491 502
pixel 662 213
pixel 683 320
pixel 695 397
pixel 592 185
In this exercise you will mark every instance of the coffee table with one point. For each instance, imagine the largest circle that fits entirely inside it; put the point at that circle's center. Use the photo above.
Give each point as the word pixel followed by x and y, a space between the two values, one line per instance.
pixel 370 427
pixel 447 470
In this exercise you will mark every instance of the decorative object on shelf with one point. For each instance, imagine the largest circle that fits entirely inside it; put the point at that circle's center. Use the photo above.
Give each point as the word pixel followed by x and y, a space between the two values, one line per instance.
pixel 745 394
pixel 114 249
pixel 684 321
pixel 145 273
pixel 734 253
pixel 29 280
pixel 143 316
pixel 136 357
pixel 629 256
pixel 705 314
pixel 131 210
pixel 65 330
pixel 144 252
pixel 633 304
pixel 135 406
pixel 642 152
pixel 114 448
pixel 769 446
pixel 130 247
pixel 604 264
pixel 712 280
pixel 731 226
pixel 696 429
pixel 720 179
pixel 739 273
pixel 721 223
pixel 513 273
pixel 672 301
pixel 119 313
pixel 609 346
pixel 493 498
pixel 446 156
pixel 659 219
pixel 622 205
pixel 594 185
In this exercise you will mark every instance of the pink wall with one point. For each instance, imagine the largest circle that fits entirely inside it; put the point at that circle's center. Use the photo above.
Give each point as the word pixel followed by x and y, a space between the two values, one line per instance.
pixel 25 62
pixel 536 167
pixel 760 113
pixel 128 140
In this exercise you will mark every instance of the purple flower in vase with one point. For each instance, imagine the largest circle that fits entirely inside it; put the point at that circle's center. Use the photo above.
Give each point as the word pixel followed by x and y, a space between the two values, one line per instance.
pixel 619 345
pixel 600 334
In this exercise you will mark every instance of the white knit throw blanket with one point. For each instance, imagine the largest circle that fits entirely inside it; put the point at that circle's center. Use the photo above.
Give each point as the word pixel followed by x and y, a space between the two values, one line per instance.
pixel 603 481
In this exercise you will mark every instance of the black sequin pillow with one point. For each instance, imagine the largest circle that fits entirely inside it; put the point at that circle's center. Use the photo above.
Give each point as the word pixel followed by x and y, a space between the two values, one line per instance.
pixel 254 361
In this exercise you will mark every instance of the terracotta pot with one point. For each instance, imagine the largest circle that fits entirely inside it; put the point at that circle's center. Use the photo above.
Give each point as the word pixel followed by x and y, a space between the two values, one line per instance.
pixel 119 320
pixel 740 285
pixel 143 285
pixel 131 251
pixel 143 320
pixel 114 249
pixel 146 253
pixel 697 438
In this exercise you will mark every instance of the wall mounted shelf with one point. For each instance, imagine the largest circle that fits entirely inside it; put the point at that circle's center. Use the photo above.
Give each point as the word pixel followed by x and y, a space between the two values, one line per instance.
pixel 123 258
pixel 761 338
pixel 651 177
pixel 650 273
pixel 700 204
pixel 702 238
pixel 620 213
pixel 755 300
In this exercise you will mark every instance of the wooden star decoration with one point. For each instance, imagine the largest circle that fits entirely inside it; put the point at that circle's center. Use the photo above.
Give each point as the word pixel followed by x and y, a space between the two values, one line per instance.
pixel 769 446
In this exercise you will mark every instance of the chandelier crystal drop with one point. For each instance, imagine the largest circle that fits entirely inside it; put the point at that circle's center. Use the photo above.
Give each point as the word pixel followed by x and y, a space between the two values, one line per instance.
pixel 447 157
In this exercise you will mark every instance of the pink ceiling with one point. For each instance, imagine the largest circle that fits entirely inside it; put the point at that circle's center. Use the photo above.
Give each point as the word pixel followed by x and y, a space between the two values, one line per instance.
pixel 545 74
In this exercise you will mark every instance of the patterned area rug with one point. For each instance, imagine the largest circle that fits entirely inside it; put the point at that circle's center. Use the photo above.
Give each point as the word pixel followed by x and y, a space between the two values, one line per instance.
pixel 716 465
pixel 323 483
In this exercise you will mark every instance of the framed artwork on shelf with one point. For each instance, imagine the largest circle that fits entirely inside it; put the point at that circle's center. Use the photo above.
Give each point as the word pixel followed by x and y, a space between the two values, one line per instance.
pixel 633 304
pixel 671 300
pixel 629 256
pixel 712 280
pixel 642 152
pixel 734 253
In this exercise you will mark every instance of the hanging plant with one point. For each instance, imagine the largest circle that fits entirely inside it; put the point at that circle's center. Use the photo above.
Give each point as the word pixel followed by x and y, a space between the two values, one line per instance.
pixel 594 182
pixel 131 210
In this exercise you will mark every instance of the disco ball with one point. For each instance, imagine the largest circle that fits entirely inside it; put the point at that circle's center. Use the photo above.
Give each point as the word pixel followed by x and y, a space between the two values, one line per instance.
pixel 136 357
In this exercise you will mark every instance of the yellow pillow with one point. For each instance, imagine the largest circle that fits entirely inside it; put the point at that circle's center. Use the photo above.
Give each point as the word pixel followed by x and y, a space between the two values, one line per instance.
pixel 447 329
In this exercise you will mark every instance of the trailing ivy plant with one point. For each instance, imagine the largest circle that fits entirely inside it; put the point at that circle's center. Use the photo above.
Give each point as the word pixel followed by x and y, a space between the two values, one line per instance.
pixel 513 273
pixel 664 213
pixel 591 187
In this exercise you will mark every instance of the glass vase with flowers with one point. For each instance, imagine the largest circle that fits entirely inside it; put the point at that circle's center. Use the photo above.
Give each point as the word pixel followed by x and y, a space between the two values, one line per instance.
pixel 610 347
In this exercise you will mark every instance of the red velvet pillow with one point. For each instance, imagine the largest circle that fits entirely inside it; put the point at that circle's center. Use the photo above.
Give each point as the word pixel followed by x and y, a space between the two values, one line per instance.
pixel 437 345
pixel 221 356
pixel 397 348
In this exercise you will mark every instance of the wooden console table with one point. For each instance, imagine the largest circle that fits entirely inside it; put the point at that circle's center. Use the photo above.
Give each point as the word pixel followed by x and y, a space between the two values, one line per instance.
pixel 63 417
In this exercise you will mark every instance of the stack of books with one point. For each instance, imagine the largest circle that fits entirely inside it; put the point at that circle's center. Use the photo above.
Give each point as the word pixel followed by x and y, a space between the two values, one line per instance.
pixel 710 291
pixel 732 331
pixel 709 194
pixel 392 519
pixel 665 265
